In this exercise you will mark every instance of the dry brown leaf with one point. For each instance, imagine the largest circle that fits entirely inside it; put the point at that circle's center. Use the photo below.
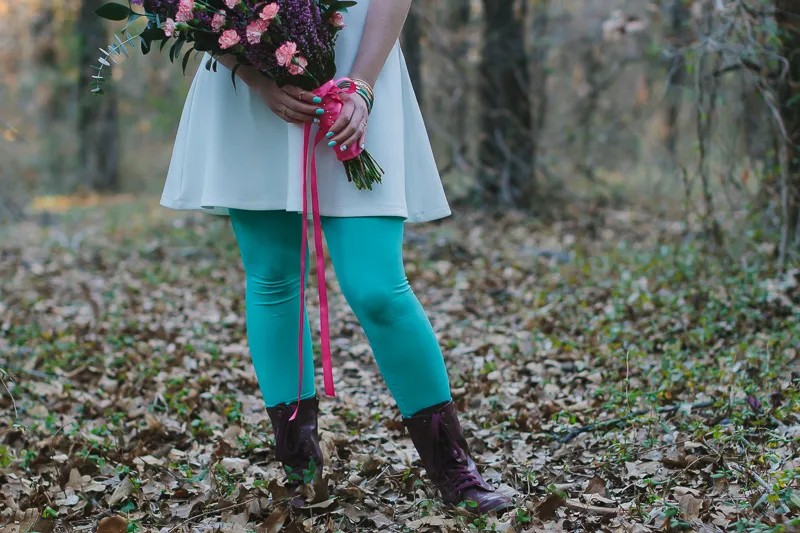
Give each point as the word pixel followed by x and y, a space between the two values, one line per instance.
pixel 274 521
pixel 596 485
pixel 546 510
pixel 690 506
pixel 121 492
pixel 112 524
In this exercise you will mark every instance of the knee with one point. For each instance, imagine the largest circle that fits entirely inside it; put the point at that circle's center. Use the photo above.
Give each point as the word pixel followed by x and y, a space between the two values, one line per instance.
pixel 379 303
pixel 270 285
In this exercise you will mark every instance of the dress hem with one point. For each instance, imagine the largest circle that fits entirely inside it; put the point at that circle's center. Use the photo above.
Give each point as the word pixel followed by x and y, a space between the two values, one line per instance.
pixel 221 207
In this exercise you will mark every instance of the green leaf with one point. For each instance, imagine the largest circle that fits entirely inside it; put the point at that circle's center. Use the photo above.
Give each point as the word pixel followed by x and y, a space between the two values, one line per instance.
pixel 233 79
pixel 114 11
pixel 186 60
pixel 175 49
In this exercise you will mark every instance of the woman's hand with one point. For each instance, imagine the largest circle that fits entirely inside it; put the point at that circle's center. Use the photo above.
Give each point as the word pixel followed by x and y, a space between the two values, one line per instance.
pixel 351 126
pixel 290 103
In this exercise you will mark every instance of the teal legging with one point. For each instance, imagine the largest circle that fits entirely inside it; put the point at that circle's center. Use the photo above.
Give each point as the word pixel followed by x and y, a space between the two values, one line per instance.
pixel 367 258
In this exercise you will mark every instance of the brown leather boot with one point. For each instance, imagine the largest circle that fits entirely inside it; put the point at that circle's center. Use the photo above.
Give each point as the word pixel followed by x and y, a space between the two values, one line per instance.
pixel 439 439
pixel 297 443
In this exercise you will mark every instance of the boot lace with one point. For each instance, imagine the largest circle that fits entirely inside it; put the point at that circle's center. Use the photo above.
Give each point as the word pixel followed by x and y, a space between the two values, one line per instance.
pixel 457 473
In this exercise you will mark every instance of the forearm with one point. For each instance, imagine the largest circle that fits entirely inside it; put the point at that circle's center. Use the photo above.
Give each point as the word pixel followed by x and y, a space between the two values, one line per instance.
pixel 385 20
pixel 246 73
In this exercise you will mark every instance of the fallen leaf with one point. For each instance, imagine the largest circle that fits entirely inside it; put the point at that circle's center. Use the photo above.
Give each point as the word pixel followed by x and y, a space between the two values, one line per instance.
pixel 112 524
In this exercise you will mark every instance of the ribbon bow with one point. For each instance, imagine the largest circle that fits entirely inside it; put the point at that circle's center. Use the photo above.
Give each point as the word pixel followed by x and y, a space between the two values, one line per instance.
pixel 332 103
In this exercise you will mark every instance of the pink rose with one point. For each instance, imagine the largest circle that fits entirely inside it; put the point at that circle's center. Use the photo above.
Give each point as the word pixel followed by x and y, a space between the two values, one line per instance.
pixel 255 29
pixel 217 21
pixel 337 20
pixel 285 53
pixel 185 11
pixel 270 11
pixel 228 38
pixel 299 66
pixel 231 3
pixel 169 27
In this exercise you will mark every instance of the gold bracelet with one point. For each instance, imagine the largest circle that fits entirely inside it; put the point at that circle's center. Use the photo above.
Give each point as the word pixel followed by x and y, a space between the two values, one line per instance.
pixel 362 83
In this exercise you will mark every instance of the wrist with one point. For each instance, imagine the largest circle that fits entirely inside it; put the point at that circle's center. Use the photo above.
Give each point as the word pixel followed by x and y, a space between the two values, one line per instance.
pixel 363 77
pixel 362 88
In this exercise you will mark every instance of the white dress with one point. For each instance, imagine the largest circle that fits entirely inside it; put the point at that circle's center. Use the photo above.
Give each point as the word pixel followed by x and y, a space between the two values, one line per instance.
pixel 231 151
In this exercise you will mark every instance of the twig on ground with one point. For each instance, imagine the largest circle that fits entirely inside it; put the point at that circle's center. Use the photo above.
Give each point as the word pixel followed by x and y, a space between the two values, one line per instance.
pixel 748 472
pixel 575 505
pixel 3 381
pixel 615 422
pixel 211 511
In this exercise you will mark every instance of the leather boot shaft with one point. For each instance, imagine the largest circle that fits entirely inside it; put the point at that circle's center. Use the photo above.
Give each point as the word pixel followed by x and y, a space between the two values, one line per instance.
pixel 297 441
pixel 439 439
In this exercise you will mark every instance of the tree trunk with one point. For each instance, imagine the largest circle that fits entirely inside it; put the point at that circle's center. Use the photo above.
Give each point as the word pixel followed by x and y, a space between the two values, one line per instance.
pixel 50 109
pixel 98 122
pixel 788 19
pixel 506 149
pixel 679 36
pixel 412 49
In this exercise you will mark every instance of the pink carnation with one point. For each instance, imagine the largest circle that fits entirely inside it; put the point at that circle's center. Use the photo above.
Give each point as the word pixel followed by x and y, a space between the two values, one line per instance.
pixel 299 66
pixel 217 21
pixel 255 29
pixel 337 20
pixel 285 53
pixel 169 27
pixel 185 11
pixel 270 11
pixel 231 3
pixel 228 38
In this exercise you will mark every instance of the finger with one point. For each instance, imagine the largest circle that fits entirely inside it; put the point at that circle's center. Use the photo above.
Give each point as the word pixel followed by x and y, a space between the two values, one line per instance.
pixel 298 110
pixel 362 140
pixel 299 106
pixel 286 114
pixel 302 95
pixel 350 129
pixel 359 123
pixel 344 118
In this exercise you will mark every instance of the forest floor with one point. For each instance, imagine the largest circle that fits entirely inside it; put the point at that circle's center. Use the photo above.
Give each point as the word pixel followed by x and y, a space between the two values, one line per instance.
pixel 611 374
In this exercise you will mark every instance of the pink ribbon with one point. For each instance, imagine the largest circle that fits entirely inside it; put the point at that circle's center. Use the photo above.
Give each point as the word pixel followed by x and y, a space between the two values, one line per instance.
pixel 332 103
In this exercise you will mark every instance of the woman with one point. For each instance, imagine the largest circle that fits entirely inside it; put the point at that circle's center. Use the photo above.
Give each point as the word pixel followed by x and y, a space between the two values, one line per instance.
pixel 244 155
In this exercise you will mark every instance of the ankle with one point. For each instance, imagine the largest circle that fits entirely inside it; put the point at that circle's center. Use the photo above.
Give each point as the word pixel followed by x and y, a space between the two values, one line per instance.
pixel 430 409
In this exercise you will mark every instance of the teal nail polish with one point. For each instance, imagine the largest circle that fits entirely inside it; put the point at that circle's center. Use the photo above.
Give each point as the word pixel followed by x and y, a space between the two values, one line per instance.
pixel 317 100
pixel 320 111
pixel 332 144
pixel 329 134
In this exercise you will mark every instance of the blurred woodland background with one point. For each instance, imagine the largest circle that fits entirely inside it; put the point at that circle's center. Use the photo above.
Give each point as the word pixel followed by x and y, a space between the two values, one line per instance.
pixel 688 106
pixel 617 293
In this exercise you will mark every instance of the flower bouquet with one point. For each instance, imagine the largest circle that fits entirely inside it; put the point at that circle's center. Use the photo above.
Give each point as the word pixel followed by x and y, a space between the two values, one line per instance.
pixel 289 41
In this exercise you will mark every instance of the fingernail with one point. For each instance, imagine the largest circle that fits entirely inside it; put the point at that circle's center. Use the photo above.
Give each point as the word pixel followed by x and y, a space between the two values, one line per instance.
pixel 332 144
pixel 329 134
pixel 317 100
pixel 320 111
pixel 363 146
pixel 343 148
